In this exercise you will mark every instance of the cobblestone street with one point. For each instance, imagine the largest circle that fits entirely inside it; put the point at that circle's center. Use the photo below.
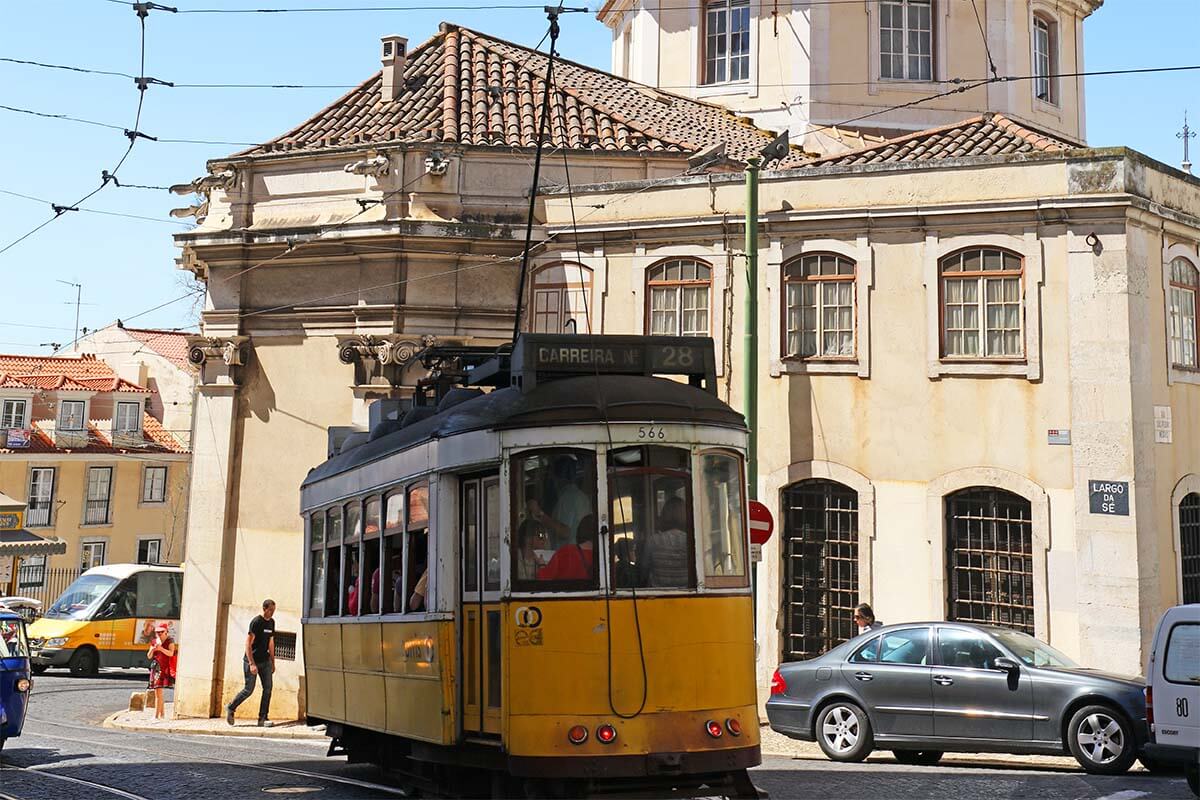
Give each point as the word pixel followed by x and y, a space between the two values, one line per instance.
pixel 64 754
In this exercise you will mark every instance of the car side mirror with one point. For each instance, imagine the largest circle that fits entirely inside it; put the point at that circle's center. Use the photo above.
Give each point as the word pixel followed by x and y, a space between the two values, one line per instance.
pixel 1005 663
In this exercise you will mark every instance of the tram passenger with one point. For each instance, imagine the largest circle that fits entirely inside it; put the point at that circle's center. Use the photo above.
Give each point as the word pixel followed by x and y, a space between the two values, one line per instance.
pixel 666 557
pixel 571 503
pixel 573 562
pixel 624 568
pixel 531 537
pixel 417 601
pixel 397 582
pixel 352 590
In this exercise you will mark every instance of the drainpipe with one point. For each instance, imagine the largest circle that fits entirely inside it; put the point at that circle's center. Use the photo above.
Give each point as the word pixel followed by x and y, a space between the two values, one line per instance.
pixel 750 337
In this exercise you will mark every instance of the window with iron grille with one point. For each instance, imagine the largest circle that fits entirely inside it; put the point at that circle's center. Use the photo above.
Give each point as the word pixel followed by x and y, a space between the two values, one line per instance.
pixel 1189 546
pixel 989 544
pixel 820 569
pixel 285 646
pixel 99 492
pixel 41 496
pixel 726 41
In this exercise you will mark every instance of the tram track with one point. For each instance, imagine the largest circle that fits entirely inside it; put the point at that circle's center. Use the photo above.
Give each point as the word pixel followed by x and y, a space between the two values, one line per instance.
pixel 161 753
pixel 43 772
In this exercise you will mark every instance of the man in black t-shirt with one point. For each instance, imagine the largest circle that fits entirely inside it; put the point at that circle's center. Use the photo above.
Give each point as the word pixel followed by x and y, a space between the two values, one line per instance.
pixel 258 662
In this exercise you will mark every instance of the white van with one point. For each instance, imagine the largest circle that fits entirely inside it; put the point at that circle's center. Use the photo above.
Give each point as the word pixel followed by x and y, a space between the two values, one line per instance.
pixel 1173 692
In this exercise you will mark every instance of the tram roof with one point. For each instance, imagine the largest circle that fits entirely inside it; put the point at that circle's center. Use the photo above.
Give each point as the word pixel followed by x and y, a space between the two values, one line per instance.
pixel 567 401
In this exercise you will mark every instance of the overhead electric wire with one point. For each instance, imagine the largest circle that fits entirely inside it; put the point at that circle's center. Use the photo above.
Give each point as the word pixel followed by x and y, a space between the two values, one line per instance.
pixel 983 35
pixel 762 5
pixel 95 210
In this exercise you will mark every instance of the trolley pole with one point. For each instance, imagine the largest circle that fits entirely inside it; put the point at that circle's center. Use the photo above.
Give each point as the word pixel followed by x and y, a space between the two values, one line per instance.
pixel 750 337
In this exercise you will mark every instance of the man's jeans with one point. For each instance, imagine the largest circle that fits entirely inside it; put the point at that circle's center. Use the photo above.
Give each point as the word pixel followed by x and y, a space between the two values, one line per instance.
pixel 264 672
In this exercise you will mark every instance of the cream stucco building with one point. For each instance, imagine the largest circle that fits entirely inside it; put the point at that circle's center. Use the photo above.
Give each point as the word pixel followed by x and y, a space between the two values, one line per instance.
pixel 806 67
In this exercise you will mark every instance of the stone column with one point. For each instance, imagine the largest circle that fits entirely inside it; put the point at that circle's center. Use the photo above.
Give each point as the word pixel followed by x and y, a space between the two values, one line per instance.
pixel 208 562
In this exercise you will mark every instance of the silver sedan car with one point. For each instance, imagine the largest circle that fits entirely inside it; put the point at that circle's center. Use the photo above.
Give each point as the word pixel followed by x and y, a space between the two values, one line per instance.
pixel 921 689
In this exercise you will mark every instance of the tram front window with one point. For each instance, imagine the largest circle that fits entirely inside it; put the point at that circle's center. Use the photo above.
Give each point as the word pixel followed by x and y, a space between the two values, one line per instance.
pixel 554 510
pixel 652 543
pixel 721 530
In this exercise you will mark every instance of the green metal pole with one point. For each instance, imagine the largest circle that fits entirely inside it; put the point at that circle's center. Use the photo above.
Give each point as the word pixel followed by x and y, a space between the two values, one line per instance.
pixel 750 337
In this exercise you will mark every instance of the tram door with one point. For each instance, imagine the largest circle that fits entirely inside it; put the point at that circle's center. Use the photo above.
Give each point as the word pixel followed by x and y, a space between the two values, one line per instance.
pixel 480 612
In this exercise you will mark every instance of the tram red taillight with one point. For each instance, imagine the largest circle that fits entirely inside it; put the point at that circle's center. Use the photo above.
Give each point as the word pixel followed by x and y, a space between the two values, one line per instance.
pixel 733 726
pixel 778 684
pixel 607 734
pixel 577 735
pixel 714 728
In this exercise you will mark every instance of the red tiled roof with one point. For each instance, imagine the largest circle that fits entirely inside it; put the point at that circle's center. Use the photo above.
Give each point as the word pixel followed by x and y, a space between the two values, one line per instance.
pixel 157 439
pixel 985 135
pixel 468 88
pixel 171 345
pixel 87 366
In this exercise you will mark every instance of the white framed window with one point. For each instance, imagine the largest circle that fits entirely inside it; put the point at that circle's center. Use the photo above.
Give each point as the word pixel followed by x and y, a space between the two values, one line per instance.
pixel 41 496
pixel 149 551
pixel 819 307
pixel 726 41
pixel 154 485
pixel 97 505
pixel 72 415
pixel 982 307
pixel 678 296
pixel 32 573
pixel 1184 311
pixel 13 414
pixel 562 299
pixel 92 553
pixel 1045 50
pixel 906 40
pixel 128 418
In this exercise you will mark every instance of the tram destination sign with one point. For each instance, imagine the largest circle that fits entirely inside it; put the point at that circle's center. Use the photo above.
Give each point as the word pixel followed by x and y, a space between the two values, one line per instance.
pixel 546 354
pixel 1108 497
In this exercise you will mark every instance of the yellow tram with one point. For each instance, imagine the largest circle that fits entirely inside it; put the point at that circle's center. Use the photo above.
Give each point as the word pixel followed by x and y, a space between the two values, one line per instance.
pixel 542 588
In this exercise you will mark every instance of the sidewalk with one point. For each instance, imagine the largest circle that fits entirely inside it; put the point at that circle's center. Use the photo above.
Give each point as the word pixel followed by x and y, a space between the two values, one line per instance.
pixel 776 744
pixel 144 722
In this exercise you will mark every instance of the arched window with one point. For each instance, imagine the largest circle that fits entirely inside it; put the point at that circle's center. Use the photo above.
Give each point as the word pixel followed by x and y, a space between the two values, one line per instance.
pixel 562 299
pixel 982 304
pixel 1189 546
pixel 1184 290
pixel 677 293
pixel 819 306
pixel 820 566
pixel 989 557
pixel 1045 58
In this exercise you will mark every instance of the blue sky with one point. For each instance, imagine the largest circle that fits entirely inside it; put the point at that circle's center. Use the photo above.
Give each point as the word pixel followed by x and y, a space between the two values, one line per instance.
pixel 127 266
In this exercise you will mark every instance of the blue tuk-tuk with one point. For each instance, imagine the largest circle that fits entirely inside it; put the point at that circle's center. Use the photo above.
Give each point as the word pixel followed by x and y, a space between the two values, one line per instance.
pixel 15 682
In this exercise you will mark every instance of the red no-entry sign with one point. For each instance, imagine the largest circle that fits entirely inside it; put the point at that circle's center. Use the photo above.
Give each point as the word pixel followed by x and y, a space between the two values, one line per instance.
pixel 762 524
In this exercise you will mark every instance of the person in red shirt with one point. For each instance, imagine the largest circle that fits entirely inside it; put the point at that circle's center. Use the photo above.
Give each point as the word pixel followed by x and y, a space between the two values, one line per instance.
pixel 573 562
pixel 162 665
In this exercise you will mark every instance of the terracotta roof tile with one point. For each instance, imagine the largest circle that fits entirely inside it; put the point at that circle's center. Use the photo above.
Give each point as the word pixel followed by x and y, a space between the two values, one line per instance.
pixel 157 439
pixel 467 88
pixel 985 135
pixel 171 345
pixel 87 366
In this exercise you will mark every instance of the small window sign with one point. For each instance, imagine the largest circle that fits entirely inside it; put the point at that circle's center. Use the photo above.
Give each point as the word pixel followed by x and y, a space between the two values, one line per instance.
pixel 1058 436
pixel 1109 497
pixel 1162 425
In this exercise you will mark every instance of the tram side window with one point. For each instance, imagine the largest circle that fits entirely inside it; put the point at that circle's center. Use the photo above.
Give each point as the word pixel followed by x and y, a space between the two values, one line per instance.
pixel 316 574
pixel 393 554
pixel 554 514
pixel 417 575
pixel 370 559
pixel 333 562
pixel 650 490
pixel 723 536
pixel 351 579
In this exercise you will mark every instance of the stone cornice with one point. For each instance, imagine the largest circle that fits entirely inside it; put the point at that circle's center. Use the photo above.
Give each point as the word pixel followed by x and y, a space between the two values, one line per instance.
pixel 219 358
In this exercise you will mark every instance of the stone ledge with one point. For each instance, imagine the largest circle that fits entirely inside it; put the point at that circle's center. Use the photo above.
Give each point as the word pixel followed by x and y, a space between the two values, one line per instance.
pixel 144 722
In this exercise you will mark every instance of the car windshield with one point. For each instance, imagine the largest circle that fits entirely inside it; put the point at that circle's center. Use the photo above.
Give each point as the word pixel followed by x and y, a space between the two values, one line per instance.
pixel 1033 652
pixel 80 599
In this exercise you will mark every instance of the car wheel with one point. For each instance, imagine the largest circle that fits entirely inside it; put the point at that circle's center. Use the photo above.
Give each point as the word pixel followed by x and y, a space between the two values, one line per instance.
pixel 84 662
pixel 38 669
pixel 844 732
pixel 1101 740
pixel 923 758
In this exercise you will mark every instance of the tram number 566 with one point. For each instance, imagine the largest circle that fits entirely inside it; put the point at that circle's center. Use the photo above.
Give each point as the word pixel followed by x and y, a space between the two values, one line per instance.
pixel 652 432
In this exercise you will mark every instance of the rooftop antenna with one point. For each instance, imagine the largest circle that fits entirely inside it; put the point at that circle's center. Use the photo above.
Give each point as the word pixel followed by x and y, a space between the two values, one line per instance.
pixel 1185 134
pixel 552 13
pixel 78 294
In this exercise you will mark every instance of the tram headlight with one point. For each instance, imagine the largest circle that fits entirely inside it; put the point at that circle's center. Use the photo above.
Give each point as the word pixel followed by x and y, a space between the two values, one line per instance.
pixel 714 728
pixel 22 685
pixel 607 734
pixel 733 726
pixel 577 735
